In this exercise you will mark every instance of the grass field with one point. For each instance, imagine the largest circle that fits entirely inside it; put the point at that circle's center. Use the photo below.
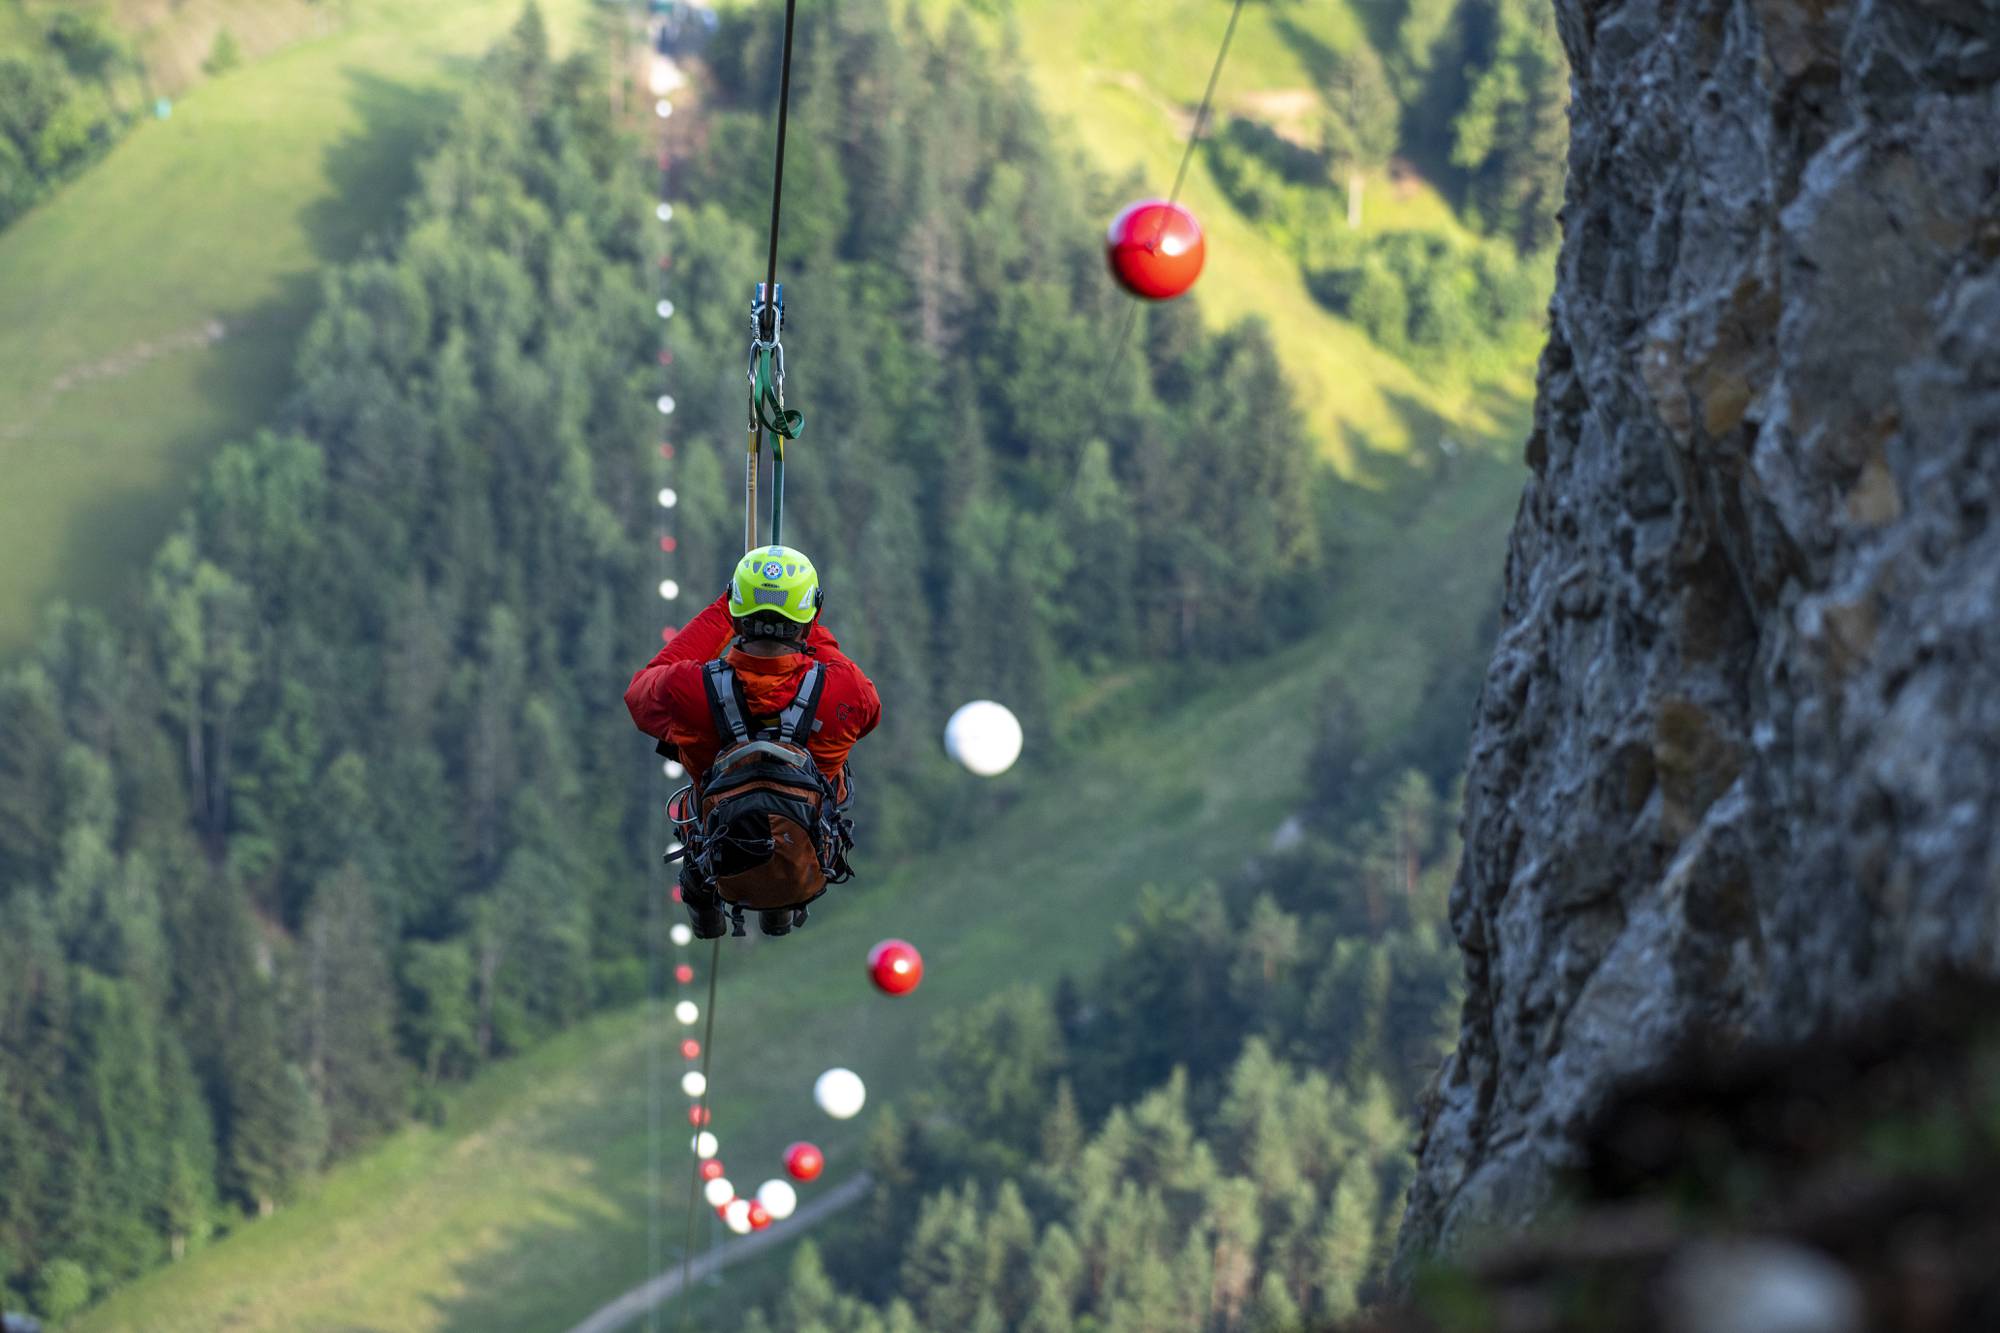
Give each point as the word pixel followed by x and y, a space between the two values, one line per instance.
pixel 149 311
pixel 1125 77
pixel 538 1199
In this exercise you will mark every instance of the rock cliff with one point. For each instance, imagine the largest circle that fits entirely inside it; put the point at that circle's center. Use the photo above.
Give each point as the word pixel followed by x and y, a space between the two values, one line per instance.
pixel 1737 758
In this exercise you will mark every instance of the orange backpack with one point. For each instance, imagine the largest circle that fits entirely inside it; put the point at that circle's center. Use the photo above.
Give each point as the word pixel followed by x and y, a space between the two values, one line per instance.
pixel 769 832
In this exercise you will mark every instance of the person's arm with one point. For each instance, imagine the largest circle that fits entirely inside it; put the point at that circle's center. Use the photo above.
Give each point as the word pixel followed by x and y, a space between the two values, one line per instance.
pixel 848 710
pixel 699 640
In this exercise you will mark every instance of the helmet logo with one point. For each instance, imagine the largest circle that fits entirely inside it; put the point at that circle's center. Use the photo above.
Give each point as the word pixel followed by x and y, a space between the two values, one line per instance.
pixel 773 570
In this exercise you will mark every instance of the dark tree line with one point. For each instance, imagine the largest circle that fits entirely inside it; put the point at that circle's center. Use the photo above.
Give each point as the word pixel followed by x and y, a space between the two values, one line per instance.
pixel 354 808
pixel 1211 1135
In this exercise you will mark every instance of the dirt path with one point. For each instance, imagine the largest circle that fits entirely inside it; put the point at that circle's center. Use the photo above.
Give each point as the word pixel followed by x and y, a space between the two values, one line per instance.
pixel 636 1302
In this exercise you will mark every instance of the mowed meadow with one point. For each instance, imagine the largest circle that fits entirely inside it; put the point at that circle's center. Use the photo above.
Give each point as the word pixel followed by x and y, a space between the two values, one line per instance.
pixel 150 311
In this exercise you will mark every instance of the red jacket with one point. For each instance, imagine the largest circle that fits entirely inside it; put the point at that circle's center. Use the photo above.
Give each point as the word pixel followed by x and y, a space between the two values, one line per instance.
pixel 668 701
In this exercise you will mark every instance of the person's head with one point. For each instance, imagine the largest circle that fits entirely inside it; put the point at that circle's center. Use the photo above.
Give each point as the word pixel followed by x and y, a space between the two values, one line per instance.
pixel 774 598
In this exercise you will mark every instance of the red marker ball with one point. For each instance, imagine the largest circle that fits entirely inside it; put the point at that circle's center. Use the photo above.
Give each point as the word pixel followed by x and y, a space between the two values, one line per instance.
pixel 1155 249
pixel 895 967
pixel 684 974
pixel 712 1169
pixel 691 1049
pixel 760 1216
pixel 804 1162
pixel 667 633
pixel 697 1115
pixel 669 543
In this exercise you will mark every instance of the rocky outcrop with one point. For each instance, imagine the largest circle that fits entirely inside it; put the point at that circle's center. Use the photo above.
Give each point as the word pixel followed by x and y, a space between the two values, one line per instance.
pixel 1736 768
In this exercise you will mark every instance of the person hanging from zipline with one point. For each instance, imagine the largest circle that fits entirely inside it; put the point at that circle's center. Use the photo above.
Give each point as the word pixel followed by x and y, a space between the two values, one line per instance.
pixel 754 697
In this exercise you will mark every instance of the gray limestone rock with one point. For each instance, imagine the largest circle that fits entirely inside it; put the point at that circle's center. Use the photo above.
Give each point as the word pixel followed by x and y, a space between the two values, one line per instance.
pixel 1736 768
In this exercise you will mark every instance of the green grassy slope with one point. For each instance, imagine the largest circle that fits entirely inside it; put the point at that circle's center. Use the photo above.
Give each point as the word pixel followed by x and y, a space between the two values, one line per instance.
pixel 1126 76
pixel 535 1201
pixel 113 383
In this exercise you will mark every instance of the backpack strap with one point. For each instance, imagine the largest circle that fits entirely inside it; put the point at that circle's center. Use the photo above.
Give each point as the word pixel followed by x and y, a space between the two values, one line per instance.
pixel 798 721
pixel 726 702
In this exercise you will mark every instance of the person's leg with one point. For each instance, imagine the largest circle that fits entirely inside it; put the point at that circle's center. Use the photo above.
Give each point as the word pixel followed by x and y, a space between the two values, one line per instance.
pixel 704 905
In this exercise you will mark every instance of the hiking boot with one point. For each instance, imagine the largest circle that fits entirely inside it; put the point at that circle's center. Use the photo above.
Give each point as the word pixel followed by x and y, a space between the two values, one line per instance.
pixel 704 910
pixel 779 922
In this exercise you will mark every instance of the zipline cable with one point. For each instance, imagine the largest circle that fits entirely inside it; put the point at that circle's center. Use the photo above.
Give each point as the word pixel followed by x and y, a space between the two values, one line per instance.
pixel 766 380
pixel 778 172
pixel 1180 177
pixel 656 932
pixel 700 1127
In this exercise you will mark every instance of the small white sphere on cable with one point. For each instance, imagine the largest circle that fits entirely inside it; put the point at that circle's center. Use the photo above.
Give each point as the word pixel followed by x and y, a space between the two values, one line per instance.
pixel 668 497
pixel 705 1145
pixel 694 1083
pixel 681 935
pixel 778 1197
pixel 674 769
pixel 665 212
pixel 663 108
pixel 669 589
pixel 687 1011
pixel 665 309
pixel 985 737
pixel 840 1093
pixel 665 402
pixel 736 1216
pixel 719 1192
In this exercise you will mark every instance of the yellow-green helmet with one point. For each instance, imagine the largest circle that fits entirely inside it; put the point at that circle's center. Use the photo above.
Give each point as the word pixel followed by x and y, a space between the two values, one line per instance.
pixel 775 581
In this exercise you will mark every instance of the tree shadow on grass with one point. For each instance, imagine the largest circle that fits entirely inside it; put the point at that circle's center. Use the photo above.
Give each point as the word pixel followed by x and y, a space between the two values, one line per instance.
pixel 250 371
pixel 373 170
pixel 1322 61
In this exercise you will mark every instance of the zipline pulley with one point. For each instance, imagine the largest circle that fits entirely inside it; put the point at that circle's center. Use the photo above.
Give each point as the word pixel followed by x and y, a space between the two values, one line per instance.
pixel 768 413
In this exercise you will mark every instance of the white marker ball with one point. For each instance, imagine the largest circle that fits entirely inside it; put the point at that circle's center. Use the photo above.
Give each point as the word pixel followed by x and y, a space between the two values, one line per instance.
pixel 665 403
pixel 669 589
pixel 840 1093
pixel 704 1145
pixel 665 309
pixel 663 108
pixel 719 1192
pixel 694 1083
pixel 736 1216
pixel 681 935
pixel 687 1011
pixel 779 1198
pixel 668 497
pixel 985 737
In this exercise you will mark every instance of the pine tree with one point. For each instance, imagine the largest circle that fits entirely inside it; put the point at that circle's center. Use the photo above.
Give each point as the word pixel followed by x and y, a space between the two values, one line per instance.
pixel 1347 1244
pixel 348 1042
